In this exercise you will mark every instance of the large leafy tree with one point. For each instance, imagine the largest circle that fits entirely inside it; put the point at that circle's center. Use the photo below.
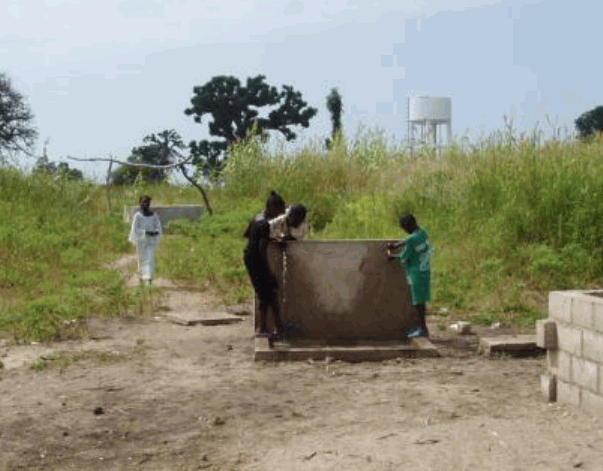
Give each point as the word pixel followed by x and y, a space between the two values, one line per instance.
pixel 17 133
pixel 335 107
pixel 590 122
pixel 235 108
pixel 158 149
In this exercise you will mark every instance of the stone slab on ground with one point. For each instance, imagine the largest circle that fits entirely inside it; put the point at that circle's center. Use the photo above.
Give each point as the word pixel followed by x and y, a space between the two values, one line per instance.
pixel 514 345
pixel 194 317
pixel 356 351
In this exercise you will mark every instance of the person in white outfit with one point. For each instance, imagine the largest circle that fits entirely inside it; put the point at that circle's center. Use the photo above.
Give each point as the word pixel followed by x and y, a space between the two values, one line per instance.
pixel 145 234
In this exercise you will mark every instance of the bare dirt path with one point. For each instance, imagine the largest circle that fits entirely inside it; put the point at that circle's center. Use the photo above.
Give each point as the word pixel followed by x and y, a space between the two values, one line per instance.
pixel 146 394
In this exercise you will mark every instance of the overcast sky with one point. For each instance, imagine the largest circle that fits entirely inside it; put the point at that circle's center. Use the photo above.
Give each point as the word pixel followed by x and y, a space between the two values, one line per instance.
pixel 99 75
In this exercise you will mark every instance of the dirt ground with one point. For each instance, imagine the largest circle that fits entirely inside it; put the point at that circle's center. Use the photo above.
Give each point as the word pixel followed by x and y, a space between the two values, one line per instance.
pixel 147 394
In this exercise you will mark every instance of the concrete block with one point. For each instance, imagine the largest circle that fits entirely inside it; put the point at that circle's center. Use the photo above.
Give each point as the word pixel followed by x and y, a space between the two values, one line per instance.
pixel 582 312
pixel 342 289
pixel 584 373
pixel 592 345
pixel 568 393
pixel 598 317
pixel 600 383
pixel 592 402
pixel 559 364
pixel 546 334
pixel 194 317
pixel 548 385
pixel 560 306
pixel 167 213
pixel 569 340
pixel 461 327
pixel 516 345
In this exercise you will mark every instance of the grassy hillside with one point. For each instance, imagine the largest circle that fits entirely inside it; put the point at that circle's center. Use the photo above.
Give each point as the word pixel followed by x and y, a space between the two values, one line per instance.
pixel 53 241
pixel 507 225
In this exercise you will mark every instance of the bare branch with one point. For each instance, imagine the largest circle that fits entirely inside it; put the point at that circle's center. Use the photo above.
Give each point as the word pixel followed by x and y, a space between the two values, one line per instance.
pixel 130 164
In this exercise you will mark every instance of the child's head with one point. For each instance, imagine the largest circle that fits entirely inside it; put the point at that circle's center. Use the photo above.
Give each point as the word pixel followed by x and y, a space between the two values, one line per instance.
pixel 408 222
pixel 145 201
pixel 275 205
pixel 296 215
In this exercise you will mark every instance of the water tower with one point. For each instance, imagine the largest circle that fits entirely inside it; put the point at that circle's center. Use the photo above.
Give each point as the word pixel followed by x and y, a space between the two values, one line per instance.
pixel 425 115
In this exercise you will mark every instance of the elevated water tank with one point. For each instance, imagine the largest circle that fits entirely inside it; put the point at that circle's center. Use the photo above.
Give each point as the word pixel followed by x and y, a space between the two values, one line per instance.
pixel 423 108
pixel 428 113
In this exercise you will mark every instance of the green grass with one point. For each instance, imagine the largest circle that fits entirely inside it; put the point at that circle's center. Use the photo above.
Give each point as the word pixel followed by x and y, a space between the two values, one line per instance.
pixel 54 241
pixel 507 223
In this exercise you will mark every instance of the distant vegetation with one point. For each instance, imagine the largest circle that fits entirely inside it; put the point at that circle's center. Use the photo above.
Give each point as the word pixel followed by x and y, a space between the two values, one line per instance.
pixel 590 122
pixel 17 132
pixel 162 148
pixel 235 112
pixel 509 220
pixel 507 223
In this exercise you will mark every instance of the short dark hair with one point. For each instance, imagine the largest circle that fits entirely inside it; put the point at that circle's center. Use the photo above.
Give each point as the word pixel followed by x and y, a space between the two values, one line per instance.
pixel 408 221
pixel 275 205
pixel 144 197
pixel 297 214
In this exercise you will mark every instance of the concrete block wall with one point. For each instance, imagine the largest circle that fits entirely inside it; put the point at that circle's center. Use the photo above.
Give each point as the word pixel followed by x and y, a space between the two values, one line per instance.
pixel 167 213
pixel 573 337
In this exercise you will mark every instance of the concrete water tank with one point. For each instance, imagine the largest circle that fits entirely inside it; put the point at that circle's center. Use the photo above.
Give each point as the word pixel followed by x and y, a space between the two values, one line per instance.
pixel 428 113
pixel 423 108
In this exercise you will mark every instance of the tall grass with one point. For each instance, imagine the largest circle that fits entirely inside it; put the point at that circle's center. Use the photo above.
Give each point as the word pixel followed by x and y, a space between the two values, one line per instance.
pixel 53 243
pixel 508 220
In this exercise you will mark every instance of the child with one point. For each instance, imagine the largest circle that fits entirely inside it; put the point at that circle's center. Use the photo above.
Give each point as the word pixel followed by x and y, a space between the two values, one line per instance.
pixel 262 279
pixel 145 234
pixel 415 258
pixel 293 225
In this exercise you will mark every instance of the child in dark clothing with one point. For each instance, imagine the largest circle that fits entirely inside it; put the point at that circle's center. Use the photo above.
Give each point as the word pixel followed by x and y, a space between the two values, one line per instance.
pixel 263 280
pixel 415 258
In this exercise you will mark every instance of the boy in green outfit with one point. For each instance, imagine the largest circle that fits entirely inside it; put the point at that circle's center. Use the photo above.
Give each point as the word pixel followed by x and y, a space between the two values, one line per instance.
pixel 415 258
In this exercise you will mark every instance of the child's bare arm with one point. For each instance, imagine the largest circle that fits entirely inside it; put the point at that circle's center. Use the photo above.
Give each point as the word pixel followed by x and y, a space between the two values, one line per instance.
pixel 394 246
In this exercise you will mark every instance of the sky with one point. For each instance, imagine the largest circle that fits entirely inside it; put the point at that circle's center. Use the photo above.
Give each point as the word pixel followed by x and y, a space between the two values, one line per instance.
pixel 100 75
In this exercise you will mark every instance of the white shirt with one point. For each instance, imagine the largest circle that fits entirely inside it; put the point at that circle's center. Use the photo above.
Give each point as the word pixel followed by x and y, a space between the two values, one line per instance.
pixel 141 224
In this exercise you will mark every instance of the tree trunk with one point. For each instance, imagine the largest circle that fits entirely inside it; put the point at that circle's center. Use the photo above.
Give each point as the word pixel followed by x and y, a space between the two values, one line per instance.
pixel 199 187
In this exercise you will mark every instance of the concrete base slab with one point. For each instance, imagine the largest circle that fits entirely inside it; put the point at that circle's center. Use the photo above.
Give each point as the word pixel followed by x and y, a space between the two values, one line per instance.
pixel 514 345
pixel 201 317
pixel 350 351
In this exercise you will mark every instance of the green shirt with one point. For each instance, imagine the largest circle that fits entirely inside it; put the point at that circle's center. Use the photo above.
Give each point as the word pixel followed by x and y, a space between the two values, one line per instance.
pixel 415 258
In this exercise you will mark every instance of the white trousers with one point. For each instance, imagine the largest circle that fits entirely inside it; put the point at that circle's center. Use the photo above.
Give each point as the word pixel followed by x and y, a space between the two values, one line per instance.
pixel 146 257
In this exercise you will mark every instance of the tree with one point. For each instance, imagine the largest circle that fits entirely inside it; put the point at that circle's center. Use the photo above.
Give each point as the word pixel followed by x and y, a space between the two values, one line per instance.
pixel 590 122
pixel 43 165
pixel 235 109
pixel 159 149
pixel 335 107
pixel 17 133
